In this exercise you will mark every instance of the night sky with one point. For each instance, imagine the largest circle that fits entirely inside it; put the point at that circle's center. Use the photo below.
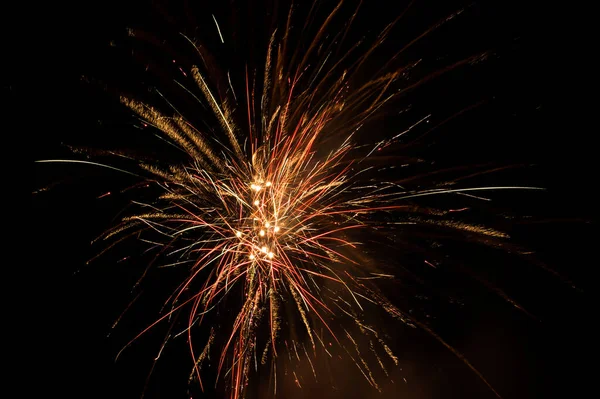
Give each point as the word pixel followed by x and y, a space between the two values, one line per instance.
pixel 523 118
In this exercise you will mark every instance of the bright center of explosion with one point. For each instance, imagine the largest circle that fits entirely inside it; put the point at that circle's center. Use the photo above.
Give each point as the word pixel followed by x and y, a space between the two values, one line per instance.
pixel 260 237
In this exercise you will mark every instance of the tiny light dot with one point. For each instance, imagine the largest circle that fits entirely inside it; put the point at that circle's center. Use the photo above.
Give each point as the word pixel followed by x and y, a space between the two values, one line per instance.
pixel 264 250
pixel 267 225
pixel 270 255
pixel 238 234
pixel 252 256
pixel 261 233
pixel 256 202
pixel 276 229
pixel 268 184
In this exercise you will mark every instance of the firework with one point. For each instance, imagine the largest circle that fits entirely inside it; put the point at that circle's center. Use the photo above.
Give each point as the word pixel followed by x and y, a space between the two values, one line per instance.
pixel 269 212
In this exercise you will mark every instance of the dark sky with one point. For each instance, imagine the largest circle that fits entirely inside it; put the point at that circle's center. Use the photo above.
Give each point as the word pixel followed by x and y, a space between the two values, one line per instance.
pixel 526 118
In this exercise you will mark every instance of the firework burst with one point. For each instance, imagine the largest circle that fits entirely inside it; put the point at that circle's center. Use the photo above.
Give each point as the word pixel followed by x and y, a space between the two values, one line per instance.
pixel 269 212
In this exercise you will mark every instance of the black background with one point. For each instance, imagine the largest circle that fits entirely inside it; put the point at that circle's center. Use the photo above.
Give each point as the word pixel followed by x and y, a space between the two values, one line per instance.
pixel 528 118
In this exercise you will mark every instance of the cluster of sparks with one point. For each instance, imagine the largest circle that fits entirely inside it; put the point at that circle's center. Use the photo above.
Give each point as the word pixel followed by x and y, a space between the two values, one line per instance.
pixel 275 225
pixel 274 213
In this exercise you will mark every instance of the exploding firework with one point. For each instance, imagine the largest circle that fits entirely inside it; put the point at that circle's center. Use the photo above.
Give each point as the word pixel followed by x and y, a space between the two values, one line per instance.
pixel 274 211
